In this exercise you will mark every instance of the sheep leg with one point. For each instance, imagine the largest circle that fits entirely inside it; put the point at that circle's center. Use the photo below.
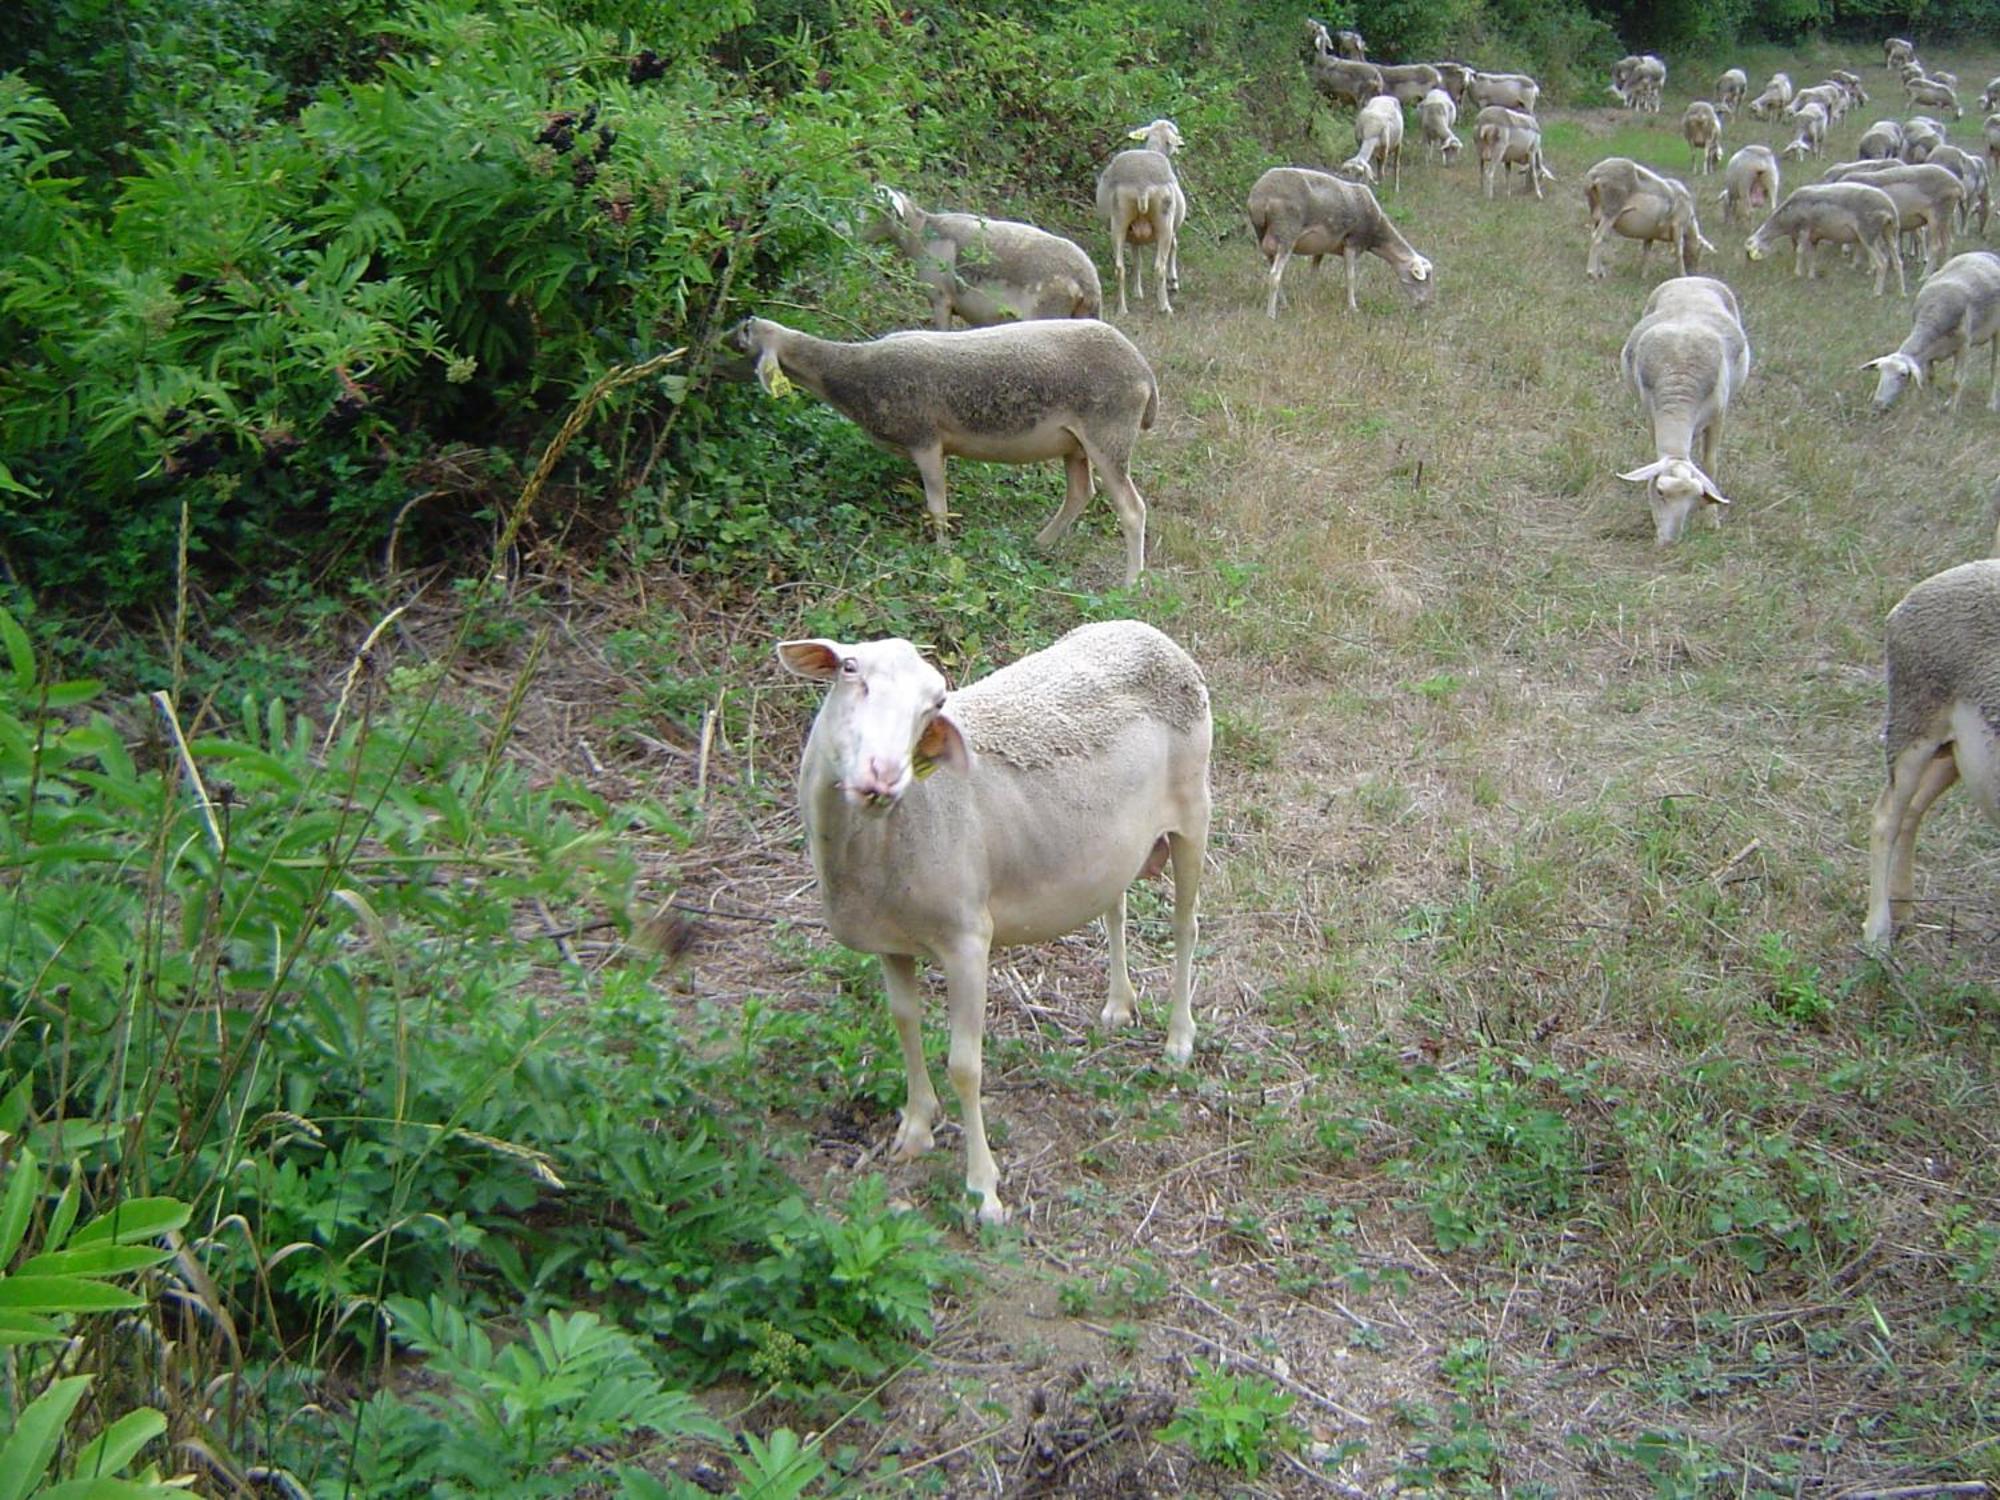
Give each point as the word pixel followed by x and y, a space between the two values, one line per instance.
pixel 1593 264
pixel 1896 260
pixel 1277 274
pixel 1186 847
pixel 1347 254
pixel 906 1009
pixel 1118 254
pixel 965 988
pixel 1163 252
pixel 1076 477
pixel 1993 381
pixel 1122 1007
pixel 930 468
pixel 1920 775
pixel 1114 468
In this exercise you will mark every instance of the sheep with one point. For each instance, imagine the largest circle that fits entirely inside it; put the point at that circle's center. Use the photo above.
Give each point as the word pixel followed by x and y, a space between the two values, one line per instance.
pixel 1378 132
pixel 1934 93
pixel 1776 95
pixel 1685 358
pixel 1921 134
pixel 1409 82
pixel 1636 81
pixel 1436 114
pixel 1991 132
pixel 1851 82
pixel 1347 44
pixel 1838 213
pixel 1628 199
pixel 1702 128
pixel 1882 141
pixel 1297 211
pixel 1506 138
pixel 1927 198
pixel 1749 181
pixel 1059 781
pixel 1956 310
pixel 1510 90
pixel 1139 196
pixel 988 270
pixel 1811 137
pixel 1730 90
pixel 1830 97
pixel 1455 78
pixel 1346 82
pixel 1989 99
pixel 1972 171
pixel 1074 389
pixel 1897 51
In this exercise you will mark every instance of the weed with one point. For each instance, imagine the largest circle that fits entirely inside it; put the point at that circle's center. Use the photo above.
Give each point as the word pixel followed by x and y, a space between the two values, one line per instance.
pixel 1236 1421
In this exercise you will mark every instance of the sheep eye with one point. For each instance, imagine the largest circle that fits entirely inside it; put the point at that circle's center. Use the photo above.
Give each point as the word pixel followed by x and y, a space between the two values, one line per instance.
pixel 849 667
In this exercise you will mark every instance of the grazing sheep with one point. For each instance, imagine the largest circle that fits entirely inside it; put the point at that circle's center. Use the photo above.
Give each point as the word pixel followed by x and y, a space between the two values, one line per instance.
pixel 1685 359
pixel 1856 94
pixel 1506 138
pixel 1992 134
pixel 1921 136
pixel 1060 780
pixel 1973 172
pixel 1510 90
pixel 1830 97
pixel 1927 200
pixel 1409 82
pixel 1882 141
pixel 1750 181
pixel 1989 99
pixel 1701 126
pixel 1436 114
pixel 1841 213
pixel 1378 133
pixel 1772 101
pixel 1897 51
pixel 1638 80
pixel 1347 44
pixel 1943 661
pixel 1455 78
pixel 1074 389
pixel 1627 199
pixel 1956 311
pixel 1139 196
pixel 1730 90
pixel 988 270
pixel 1811 137
pixel 1937 94
pixel 1344 82
pixel 1297 211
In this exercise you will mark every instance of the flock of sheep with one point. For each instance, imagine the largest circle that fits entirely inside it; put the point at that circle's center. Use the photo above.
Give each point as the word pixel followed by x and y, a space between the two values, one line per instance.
pixel 1078 769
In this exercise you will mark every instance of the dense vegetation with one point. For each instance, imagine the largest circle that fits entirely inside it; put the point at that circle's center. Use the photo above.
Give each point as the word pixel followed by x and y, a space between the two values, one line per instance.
pixel 362 1009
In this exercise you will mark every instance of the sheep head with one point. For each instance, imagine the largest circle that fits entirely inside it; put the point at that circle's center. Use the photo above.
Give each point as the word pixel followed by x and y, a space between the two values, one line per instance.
pixel 1676 488
pixel 1896 371
pixel 883 724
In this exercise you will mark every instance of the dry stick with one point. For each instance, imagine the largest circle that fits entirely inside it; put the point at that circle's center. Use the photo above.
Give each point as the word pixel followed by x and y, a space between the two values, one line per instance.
pixel 1912 1491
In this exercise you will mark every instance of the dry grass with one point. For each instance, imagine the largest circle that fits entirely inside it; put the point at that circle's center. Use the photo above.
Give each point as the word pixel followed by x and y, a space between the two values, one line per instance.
pixel 1530 923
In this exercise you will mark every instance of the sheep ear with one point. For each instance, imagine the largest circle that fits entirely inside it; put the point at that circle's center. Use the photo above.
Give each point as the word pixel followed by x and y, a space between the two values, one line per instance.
pixel 941 744
pixel 818 659
pixel 1420 269
pixel 1640 476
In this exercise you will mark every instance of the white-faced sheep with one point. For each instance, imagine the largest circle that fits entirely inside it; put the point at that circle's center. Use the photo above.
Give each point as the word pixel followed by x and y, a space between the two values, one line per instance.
pixel 1627 199
pixel 1943 661
pixel 1074 389
pixel 1897 51
pixel 988 270
pixel 1509 90
pixel 1378 138
pixel 1840 213
pixel 1685 359
pixel 1505 139
pixel 1297 211
pixel 1701 128
pixel 1956 311
pixel 1731 89
pixel 1810 125
pixel 1977 178
pixel 1749 182
pixel 1059 780
pixel 1927 200
pixel 1436 114
pixel 1140 198
pixel 1935 93
pixel 1772 100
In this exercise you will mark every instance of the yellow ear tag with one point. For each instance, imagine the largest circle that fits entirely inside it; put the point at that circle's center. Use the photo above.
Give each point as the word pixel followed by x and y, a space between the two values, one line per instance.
pixel 774 380
pixel 921 765
pixel 1135 135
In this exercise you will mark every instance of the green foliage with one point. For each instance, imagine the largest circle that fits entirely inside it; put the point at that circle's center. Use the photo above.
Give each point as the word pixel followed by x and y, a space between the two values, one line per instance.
pixel 1238 1421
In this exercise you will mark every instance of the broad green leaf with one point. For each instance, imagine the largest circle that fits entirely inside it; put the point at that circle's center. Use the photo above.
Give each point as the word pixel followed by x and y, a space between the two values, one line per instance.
pixel 20 652
pixel 27 1328
pixel 26 1454
pixel 95 1260
pixel 14 1108
pixel 23 1183
pixel 110 1489
pixel 134 1219
pixel 64 1218
pixel 69 1136
pixel 116 1446
pixel 65 1294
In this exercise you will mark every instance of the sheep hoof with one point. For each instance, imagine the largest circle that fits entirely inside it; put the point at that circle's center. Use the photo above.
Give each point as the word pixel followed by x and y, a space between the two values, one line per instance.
pixel 991 1209
pixel 1119 1010
pixel 913 1137
pixel 1180 1050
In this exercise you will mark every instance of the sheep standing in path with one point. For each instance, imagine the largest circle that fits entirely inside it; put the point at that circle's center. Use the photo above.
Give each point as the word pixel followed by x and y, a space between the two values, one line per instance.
pixel 1060 780
pixel 1507 138
pixel 1074 389
pixel 1436 115
pixel 1957 310
pixel 1627 199
pixel 1750 181
pixel 1701 127
pixel 1378 136
pixel 1297 211
pixel 1685 359
pixel 1840 213
pixel 988 270
pixel 1141 200
pixel 1943 657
